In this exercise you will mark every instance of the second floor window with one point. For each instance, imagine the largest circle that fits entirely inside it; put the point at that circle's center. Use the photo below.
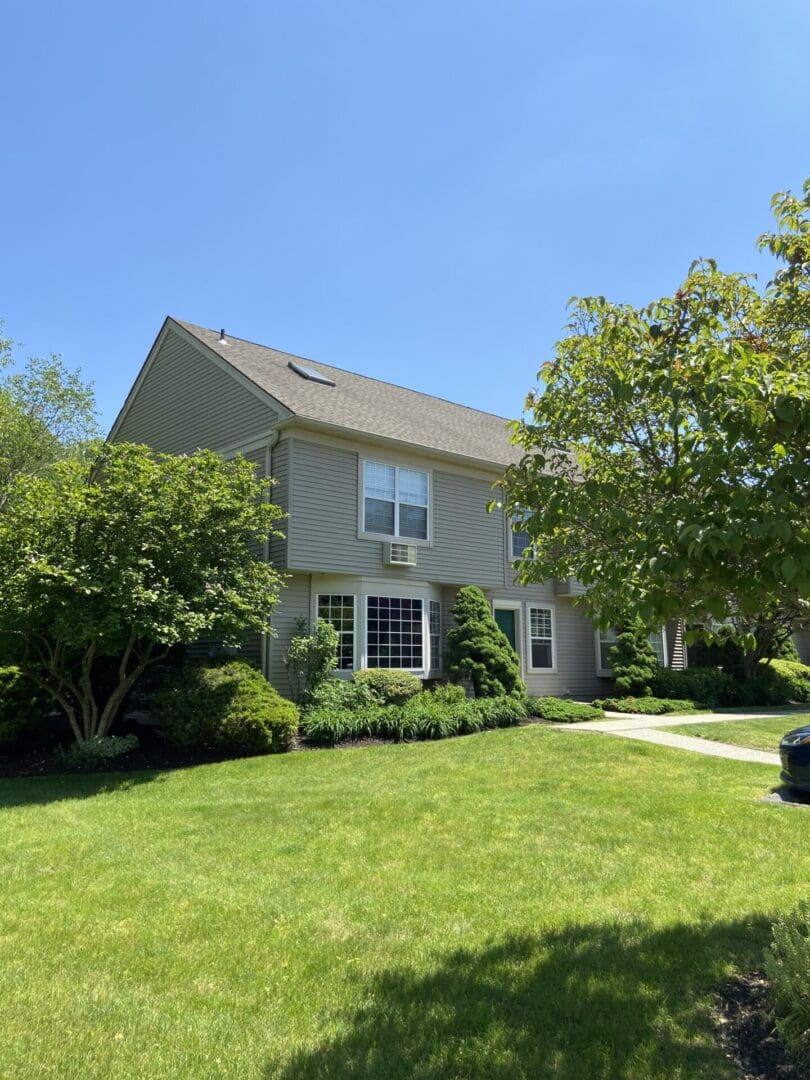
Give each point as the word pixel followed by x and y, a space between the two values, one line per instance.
pixel 395 501
pixel 520 539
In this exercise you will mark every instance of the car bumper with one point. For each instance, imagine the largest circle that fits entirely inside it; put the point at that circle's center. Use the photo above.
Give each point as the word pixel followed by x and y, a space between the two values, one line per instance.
pixel 795 773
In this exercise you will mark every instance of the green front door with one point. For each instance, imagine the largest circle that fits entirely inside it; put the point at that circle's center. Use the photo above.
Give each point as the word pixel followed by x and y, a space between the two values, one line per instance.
pixel 505 618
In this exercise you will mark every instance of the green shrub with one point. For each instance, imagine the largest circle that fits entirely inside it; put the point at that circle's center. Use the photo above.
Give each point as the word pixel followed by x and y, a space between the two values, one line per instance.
pixel 392 686
pixel 100 752
pixel 449 693
pixel 787 964
pixel 328 725
pixel 791 678
pixel 310 657
pixel 23 710
pixel 564 712
pixel 650 706
pixel 477 648
pixel 715 687
pixel 226 707
pixel 501 711
pixel 338 693
pixel 424 716
pixel 788 651
pixel 633 659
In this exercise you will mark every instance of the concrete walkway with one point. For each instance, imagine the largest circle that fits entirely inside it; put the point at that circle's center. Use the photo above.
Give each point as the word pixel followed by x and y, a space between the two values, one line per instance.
pixel 648 729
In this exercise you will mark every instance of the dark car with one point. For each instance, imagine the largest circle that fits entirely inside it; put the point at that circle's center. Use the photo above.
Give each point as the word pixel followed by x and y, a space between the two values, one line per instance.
pixel 794 749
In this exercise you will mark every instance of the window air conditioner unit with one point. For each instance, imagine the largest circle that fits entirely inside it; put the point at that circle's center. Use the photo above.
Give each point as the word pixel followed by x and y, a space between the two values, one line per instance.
pixel 400 554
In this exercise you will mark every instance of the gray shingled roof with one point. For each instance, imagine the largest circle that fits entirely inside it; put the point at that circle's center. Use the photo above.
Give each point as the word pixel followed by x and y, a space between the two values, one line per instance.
pixel 360 403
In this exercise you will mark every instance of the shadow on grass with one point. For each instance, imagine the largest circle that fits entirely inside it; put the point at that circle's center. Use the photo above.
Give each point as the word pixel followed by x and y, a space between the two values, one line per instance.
pixel 40 790
pixel 588 1002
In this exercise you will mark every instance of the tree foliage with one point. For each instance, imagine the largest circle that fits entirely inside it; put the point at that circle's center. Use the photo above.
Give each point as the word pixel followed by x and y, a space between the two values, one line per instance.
pixel 477 648
pixel 107 563
pixel 666 463
pixel 46 413
pixel 311 657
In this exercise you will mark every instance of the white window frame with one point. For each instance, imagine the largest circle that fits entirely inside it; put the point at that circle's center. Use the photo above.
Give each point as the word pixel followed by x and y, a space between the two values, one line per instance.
pixel 532 606
pixel 423 601
pixel 435 662
pixel 517 607
pixel 367 534
pixel 528 553
pixel 344 672
pixel 607 672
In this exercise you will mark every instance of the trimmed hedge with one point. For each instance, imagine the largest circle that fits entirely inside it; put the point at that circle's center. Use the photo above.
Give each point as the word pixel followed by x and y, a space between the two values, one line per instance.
pixel 23 710
pixel 651 706
pixel 792 678
pixel 787 963
pixel 226 707
pixel 427 715
pixel 714 687
pixel 392 686
pixel 563 711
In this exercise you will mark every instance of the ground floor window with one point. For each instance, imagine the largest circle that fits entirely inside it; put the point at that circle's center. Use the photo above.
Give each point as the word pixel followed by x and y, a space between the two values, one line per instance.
pixel 607 639
pixel 541 637
pixel 435 620
pixel 339 611
pixel 394 635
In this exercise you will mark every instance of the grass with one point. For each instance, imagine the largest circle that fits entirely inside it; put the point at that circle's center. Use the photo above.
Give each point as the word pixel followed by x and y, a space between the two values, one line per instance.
pixel 763 733
pixel 468 908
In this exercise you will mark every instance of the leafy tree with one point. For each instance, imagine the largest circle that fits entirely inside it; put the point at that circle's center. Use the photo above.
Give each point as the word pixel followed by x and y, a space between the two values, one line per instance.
pixel 311 657
pixel 46 413
pixel 122 557
pixel 633 659
pixel 666 463
pixel 477 648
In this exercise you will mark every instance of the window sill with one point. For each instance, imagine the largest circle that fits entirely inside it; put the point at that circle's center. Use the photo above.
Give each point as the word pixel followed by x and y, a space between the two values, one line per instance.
pixel 394 539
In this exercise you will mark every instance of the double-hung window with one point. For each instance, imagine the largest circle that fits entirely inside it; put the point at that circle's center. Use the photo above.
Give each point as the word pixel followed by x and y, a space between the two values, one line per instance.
pixel 435 627
pixel 394 633
pixel 339 611
pixel 541 639
pixel 520 539
pixel 395 501
pixel 659 646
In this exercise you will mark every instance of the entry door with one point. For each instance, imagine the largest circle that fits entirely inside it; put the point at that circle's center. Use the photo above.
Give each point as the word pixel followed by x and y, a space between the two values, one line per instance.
pixel 506 618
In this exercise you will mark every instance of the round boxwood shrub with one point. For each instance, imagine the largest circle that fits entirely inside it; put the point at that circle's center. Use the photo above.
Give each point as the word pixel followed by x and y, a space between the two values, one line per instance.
pixel 392 686
pixel 228 707
pixel 23 710
pixel 791 677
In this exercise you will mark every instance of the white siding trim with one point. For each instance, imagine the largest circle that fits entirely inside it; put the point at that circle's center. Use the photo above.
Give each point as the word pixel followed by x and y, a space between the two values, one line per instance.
pixel 517 607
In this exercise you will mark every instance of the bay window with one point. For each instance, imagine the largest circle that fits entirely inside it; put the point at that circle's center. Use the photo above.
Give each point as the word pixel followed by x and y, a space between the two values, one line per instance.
pixel 394 633
pixel 339 611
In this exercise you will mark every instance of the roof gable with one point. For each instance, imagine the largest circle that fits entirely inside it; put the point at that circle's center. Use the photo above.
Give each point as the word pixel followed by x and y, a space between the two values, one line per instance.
pixel 365 405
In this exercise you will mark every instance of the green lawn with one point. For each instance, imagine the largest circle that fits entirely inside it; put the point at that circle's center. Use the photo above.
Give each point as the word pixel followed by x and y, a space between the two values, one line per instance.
pixel 466 908
pixel 763 733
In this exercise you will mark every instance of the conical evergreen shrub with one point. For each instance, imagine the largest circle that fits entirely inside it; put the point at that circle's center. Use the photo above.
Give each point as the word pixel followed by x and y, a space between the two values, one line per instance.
pixel 477 648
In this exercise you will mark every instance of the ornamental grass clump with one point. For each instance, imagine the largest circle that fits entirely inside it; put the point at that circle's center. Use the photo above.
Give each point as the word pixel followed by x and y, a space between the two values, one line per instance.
pixel 787 965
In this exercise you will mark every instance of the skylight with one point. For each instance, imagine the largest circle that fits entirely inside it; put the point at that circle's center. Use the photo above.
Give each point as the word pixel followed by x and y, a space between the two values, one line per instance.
pixel 310 373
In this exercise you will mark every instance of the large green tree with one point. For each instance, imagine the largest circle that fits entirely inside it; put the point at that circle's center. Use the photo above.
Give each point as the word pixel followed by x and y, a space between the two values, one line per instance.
pixel 107 563
pixel 666 463
pixel 47 412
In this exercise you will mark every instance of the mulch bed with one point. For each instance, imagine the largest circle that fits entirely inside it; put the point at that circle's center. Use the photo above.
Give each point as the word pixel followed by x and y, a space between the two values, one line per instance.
pixel 747 1032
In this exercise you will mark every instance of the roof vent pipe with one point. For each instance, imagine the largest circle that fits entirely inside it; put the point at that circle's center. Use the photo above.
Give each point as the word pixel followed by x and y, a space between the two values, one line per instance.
pixel 222 338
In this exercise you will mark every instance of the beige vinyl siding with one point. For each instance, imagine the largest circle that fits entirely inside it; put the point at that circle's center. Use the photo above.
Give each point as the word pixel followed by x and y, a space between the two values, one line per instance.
pixel 574 646
pixel 467 542
pixel 280 494
pixel 294 604
pixel 187 401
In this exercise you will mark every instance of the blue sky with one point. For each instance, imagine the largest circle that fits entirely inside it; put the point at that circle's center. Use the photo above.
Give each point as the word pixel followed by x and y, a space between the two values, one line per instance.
pixel 411 190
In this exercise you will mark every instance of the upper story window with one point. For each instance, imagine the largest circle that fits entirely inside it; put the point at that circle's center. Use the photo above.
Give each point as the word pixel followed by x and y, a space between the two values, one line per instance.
pixel 395 501
pixel 520 539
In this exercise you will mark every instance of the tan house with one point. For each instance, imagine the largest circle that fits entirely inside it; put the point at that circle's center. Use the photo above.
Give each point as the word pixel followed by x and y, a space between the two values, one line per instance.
pixel 386 491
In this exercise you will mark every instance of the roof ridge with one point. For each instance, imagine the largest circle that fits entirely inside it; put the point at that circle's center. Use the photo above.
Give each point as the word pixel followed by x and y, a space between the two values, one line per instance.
pixel 346 371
